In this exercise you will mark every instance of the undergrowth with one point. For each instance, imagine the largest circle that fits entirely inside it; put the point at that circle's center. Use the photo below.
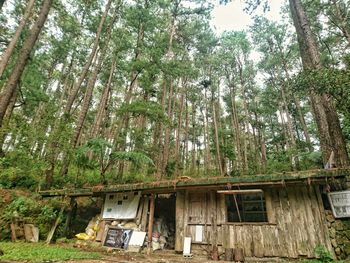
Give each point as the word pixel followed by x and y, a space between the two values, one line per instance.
pixel 40 252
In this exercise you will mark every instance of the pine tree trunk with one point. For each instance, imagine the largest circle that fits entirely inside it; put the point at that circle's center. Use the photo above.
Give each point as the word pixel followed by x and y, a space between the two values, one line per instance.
pixel 331 137
pixel 207 158
pixel 194 139
pixel 302 123
pixel 11 84
pixel 90 87
pixel 77 85
pixel 9 50
pixel 83 112
pixel 53 143
pixel 187 125
pixel 290 129
pixel 217 144
pixel 236 130
pixel 5 128
pixel 343 21
pixel 101 111
pixel 167 129
pixel 179 130
pixel 298 107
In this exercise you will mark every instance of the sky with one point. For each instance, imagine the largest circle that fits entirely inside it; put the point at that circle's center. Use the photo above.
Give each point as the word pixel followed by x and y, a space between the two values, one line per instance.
pixel 232 17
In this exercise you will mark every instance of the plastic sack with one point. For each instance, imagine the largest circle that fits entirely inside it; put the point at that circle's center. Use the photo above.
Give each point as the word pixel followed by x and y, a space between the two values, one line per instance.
pixel 83 236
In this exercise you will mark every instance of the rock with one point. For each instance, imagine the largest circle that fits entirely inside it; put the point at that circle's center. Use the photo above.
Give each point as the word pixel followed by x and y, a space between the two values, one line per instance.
pixel 346 249
pixel 328 212
pixel 338 225
pixel 330 218
pixel 337 251
pixel 334 243
pixel 110 250
pixel 341 240
pixel 347 234
pixel 332 232
pixel 346 224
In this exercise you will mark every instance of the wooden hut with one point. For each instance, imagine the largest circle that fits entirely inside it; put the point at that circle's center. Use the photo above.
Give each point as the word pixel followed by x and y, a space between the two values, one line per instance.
pixel 268 216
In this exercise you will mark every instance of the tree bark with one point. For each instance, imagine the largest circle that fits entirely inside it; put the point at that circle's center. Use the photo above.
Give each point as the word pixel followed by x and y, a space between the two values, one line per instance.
pixel 11 85
pixel 343 20
pixel 331 137
pixel 87 65
pixel 89 90
pixel 207 159
pixel 103 103
pixel 11 46
pixel 217 145
pixel 236 130
pixel 179 130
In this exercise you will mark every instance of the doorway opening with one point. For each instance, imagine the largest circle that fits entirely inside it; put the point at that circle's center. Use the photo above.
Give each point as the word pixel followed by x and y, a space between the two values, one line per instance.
pixel 163 234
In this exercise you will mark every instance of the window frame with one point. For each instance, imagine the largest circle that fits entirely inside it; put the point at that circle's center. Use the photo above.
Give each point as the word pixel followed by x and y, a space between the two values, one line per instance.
pixel 267 200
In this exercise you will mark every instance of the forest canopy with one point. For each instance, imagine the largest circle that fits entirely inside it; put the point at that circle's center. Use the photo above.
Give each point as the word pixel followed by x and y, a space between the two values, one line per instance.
pixel 115 91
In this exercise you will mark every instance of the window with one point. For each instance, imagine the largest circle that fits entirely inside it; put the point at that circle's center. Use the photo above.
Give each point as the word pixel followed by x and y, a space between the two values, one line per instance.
pixel 246 206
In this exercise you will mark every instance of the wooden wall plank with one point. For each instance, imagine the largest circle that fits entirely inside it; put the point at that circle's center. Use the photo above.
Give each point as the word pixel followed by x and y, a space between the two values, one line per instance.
pixel 179 212
pixel 290 211
pixel 327 238
pixel 287 229
pixel 144 215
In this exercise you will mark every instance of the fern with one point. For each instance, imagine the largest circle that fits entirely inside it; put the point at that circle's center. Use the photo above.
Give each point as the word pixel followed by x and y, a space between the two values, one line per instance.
pixel 134 157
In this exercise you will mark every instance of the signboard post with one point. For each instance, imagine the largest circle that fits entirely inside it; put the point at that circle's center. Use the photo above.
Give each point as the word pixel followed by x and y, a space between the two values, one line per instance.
pixel 117 237
pixel 340 203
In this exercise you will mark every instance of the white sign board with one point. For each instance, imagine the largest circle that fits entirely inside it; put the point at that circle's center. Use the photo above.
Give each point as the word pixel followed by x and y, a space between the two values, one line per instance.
pixel 121 205
pixel 137 238
pixel 199 234
pixel 187 246
pixel 340 203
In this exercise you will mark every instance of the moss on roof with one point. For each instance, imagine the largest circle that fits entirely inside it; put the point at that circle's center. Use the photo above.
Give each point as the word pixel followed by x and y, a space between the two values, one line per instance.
pixel 309 176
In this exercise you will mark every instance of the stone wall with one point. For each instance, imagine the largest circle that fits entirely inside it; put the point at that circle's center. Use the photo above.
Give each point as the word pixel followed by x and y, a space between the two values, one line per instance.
pixel 339 232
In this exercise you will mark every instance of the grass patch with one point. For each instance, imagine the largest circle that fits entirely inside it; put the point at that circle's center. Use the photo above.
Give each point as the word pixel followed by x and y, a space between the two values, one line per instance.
pixel 39 252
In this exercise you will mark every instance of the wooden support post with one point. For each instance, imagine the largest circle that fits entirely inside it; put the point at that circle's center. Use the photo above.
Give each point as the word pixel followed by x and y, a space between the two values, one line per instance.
pixel 229 256
pixel 139 211
pixel 70 213
pixel 179 234
pixel 144 213
pixel 214 226
pixel 53 228
pixel 269 209
pixel 239 254
pixel 13 232
pixel 150 221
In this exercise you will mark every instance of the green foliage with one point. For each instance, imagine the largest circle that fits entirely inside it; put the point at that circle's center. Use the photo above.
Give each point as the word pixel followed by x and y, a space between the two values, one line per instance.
pixel 324 255
pixel 334 82
pixel 31 210
pixel 151 110
pixel 27 252
pixel 134 157
pixel 20 170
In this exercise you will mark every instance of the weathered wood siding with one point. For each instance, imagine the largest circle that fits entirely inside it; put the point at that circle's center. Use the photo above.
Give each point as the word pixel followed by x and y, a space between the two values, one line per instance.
pixel 296 223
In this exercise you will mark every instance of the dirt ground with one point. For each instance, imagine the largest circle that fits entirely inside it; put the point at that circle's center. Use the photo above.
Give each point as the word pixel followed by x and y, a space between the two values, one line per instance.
pixel 161 257
pixel 157 257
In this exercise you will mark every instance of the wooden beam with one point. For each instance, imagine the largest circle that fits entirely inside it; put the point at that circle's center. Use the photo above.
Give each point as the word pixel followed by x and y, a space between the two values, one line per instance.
pixel 150 220
pixel 242 192
pixel 166 186
pixel 144 213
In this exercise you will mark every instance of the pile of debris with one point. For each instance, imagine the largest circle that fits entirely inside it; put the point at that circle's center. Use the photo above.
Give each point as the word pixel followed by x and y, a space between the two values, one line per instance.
pixel 162 235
